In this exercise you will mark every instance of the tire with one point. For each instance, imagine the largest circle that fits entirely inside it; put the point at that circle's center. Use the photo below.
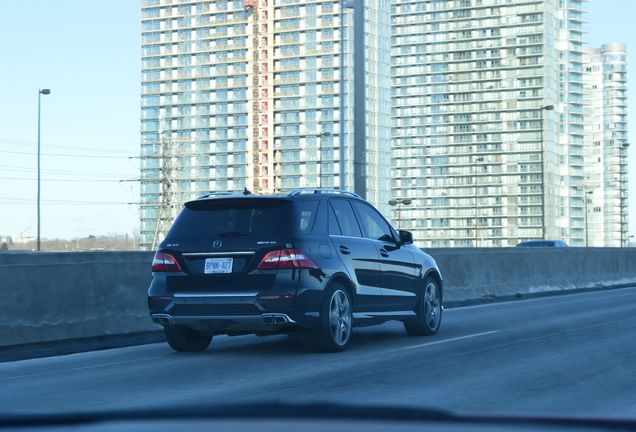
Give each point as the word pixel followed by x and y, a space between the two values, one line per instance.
pixel 428 311
pixel 184 339
pixel 333 331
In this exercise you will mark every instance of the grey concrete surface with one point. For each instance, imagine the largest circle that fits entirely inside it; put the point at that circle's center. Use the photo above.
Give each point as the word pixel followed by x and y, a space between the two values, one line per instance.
pixel 478 274
pixel 56 296
pixel 569 355
pixel 51 296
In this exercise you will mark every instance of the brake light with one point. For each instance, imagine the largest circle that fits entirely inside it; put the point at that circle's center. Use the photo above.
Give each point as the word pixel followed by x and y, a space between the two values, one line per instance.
pixel 286 259
pixel 165 262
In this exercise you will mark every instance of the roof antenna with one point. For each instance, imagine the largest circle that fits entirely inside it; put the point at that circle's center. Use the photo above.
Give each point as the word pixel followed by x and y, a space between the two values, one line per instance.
pixel 247 192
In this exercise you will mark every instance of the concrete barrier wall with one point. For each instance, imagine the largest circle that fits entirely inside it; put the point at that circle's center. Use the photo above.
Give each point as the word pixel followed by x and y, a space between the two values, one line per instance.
pixel 474 275
pixel 52 296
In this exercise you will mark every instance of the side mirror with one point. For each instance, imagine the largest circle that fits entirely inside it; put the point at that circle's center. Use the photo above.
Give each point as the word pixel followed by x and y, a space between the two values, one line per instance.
pixel 406 237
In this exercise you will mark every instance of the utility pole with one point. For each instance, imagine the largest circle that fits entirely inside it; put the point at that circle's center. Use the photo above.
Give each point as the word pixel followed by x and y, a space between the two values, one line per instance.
pixel 170 155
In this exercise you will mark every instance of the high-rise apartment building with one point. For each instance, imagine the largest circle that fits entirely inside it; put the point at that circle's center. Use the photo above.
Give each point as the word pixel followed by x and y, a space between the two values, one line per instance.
pixel 249 93
pixel 487 116
pixel 605 183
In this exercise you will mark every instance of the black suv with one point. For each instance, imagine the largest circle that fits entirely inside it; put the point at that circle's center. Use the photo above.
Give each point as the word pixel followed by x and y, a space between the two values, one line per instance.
pixel 314 262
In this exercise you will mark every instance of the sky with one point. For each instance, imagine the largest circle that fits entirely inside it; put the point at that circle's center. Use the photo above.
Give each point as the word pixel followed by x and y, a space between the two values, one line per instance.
pixel 88 54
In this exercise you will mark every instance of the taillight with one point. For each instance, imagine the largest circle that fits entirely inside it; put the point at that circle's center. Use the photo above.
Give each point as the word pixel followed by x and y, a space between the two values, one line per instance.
pixel 286 259
pixel 165 262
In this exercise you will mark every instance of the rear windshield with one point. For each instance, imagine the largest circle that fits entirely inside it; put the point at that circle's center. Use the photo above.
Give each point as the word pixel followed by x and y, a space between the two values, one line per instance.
pixel 213 219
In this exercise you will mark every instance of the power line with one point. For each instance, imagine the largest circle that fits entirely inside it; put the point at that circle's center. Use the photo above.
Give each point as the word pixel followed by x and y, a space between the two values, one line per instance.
pixel 114 131
pixel 182 155
pixel 12 200
pixel 60 172
pixel 70 180
pixel 49 145
pixel 70 155
pixel 3 203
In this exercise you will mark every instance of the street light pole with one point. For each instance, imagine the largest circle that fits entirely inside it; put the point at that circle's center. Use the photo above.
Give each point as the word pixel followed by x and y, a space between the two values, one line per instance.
pixel 479 159
pixel 342 104
pixel 587 236
pixel 585 194
pixel 399 202
pixel 320 160
pixel 622 168
pixel 543 197
pixel 344 4
pixel 40 93
pixel 359 99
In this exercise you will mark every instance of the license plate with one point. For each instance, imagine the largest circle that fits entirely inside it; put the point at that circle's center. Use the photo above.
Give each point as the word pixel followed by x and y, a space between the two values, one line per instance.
pixel 218 265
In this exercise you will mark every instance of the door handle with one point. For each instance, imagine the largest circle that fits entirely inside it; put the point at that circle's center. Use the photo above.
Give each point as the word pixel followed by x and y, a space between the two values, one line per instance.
pixel 344 250
pixel 384 253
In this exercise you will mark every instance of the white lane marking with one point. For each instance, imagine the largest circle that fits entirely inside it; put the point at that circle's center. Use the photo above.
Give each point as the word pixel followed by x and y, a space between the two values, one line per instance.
pixel 450 340
pixel 58 372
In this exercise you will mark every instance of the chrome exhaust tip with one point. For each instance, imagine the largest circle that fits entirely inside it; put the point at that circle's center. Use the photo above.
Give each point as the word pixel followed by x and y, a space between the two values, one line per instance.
pixel 163 319
pixel 273 319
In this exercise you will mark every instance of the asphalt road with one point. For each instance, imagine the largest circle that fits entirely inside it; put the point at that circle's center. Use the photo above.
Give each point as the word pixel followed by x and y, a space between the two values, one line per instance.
pixel 570 355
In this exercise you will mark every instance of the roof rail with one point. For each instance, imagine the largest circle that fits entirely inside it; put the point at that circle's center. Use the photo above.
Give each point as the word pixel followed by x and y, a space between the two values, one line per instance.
pixel 211 194
pixel 245 192
pixel 322 191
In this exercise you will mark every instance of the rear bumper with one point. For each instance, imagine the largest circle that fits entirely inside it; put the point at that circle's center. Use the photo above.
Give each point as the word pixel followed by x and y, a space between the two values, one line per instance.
pixel 266 322
pixel 294 300
pixel 230 312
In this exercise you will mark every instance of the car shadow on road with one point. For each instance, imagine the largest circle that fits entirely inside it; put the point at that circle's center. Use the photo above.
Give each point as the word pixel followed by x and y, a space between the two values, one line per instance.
pixel 285 345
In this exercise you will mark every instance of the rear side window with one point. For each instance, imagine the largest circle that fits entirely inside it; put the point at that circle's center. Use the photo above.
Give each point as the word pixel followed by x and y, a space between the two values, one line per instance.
pixel 334 228
pixel 304 216
pixel 213 219
pixel 346 218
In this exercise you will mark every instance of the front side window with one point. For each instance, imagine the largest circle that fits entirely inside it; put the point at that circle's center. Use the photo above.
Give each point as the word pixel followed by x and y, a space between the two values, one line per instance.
pixel 373 224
